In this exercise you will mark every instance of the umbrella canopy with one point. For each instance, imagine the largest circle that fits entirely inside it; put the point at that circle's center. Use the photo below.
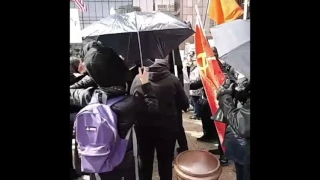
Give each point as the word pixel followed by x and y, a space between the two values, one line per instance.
pixel 159 34
pixel 232 41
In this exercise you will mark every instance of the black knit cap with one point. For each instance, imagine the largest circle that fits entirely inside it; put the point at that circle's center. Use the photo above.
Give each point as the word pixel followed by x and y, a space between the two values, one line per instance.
pixel 104 65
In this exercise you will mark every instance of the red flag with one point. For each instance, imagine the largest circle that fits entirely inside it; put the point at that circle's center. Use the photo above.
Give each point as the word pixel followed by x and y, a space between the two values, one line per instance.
pixel 81 5
pixel 211 75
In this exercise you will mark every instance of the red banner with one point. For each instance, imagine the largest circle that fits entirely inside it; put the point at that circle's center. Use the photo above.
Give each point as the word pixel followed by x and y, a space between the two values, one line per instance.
pixel 211 75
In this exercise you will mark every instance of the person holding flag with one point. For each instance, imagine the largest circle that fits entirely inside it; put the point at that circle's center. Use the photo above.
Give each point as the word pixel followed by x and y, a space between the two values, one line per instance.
pixel 237 138
pixel 211 75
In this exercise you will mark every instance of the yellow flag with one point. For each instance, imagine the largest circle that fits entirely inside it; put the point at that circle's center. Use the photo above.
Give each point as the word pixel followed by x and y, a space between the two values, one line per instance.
pixel 222 11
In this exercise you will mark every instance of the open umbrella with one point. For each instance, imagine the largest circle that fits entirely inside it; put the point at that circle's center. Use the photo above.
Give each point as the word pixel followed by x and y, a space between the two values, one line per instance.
pixel 232 41
pixel 139 35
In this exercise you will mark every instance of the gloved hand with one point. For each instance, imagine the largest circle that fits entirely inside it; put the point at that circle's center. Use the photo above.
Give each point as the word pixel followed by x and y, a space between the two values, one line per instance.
pixel 202 102
pixel 227 88
pixel 241 96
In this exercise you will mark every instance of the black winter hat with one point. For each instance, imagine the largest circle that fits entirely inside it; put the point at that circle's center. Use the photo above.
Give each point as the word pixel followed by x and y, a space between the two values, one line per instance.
pixel 104 65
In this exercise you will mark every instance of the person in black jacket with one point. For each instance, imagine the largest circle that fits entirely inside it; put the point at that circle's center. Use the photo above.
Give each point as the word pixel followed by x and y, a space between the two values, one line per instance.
pixel 181 136
pixel 75 75
pixel 237 138
pixel 73 110
pixel 209 131
pixel 74 64
pixel 110 73
pixel 208 126
pixel 84 80
pixel 159 132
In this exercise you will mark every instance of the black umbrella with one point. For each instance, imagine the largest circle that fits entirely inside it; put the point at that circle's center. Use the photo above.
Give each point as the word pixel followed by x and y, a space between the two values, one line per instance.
pixel 156 33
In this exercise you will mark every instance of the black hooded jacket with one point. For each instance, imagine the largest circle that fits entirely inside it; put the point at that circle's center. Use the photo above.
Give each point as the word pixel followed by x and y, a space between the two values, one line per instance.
pixel 135 70
pixel 170 95
pixel 237 137
pixel 109 72
pixel 84 81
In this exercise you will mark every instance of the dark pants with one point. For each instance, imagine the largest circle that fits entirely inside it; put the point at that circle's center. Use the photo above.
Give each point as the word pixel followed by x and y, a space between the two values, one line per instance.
pixel 208 126
pixel 181 135
pixel 195 105
pixel 161 140
pixel 221 153
pixel 242 171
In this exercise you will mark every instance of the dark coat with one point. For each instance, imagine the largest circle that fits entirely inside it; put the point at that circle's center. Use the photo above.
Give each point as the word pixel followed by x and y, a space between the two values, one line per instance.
pixel 74 79
pixel 127 110
pixel 109 72
pixel 83 82
pixel 237 139
pixel 169 92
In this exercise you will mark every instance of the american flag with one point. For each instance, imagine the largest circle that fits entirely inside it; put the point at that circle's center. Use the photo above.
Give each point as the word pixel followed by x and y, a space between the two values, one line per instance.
pixel 81 5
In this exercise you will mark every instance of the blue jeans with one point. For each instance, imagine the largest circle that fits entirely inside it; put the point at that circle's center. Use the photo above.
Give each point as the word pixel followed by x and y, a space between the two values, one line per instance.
pixel 195 105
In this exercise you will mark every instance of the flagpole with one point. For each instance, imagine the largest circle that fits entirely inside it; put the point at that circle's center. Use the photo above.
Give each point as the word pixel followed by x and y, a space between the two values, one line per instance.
pixel 245 9
pixel 205 17
pixel 175 67
pixel 198 17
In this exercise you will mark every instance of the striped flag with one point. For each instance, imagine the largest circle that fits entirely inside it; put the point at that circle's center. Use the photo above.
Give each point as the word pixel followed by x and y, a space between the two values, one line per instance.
pixel 81 5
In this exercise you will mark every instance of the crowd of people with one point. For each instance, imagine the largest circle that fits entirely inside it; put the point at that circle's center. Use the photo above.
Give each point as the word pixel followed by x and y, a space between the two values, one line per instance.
pixel 154 100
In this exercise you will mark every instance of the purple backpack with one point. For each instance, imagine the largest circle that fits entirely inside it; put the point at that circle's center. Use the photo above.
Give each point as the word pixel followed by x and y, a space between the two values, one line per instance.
pixel 100 147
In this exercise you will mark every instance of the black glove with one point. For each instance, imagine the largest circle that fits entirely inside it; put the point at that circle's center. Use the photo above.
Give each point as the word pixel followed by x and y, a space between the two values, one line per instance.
pixel 227 88
pixel 203 102
pixel 241 96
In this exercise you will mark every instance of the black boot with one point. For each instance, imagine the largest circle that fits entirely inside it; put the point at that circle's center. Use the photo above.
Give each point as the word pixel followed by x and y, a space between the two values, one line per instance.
pixel 223 161
pixel 205 138
pixel 73 174
pixel 214 151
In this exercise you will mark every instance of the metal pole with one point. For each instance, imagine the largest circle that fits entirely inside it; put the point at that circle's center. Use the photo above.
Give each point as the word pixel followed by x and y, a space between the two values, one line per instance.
pixel 198 18
pixel 140 51
pixel 245 9
pixel 205 17
pixel 175 67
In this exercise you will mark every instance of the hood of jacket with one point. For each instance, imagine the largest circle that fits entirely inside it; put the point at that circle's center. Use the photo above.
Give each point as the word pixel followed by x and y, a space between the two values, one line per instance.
pixel 105 67
pixel 159 70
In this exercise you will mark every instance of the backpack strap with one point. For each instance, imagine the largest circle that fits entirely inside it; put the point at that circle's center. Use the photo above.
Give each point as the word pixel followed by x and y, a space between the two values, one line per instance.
pixel 135 153
pixel 104 97
pixel 95 97
pixel 135 150
pixel 113 101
